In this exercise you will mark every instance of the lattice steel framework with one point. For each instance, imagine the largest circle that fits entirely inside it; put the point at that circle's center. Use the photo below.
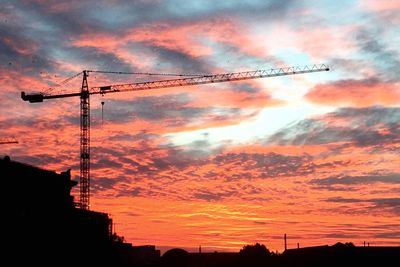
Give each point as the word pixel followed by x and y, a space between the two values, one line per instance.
pixel 191 80
pixel 85 144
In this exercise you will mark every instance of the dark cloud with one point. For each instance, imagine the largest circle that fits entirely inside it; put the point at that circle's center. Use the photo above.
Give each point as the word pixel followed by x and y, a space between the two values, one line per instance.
pixel 362 128
pixel 369 116
pixel 180 61
pixel 205 194
pixel 37 122
pixel 249 9
pixel 105 163
pixel 21 53
pixel 57 19
pixel 386 60
pixel 150 189
pixel 39 159
pixel 128 191
pixel 387 203
pixel 343 235
pixel 308 131
pixel 391 205
pixel 357 180
pixel 101 183
pixel 221 192
pixel 390 234
pixel 153 108
pixel 260 223
pixel 133 137
pixel 257 165
pixel 95 59
pixel 123 14
pixel 159 158
pixel 172 110
pixel 244 87
pixel 343 200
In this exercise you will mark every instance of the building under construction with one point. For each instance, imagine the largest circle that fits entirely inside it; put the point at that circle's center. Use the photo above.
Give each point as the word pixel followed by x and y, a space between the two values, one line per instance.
pixel 43 226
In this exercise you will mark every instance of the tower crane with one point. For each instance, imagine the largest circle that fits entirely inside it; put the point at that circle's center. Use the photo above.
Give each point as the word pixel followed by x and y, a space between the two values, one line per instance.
pixel 158 84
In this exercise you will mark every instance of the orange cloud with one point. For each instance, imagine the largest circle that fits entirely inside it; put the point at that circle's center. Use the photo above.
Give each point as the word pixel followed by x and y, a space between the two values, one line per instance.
pixel 359 93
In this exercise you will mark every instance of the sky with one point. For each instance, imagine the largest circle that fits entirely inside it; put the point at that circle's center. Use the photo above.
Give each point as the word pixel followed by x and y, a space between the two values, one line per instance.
pixel 315 156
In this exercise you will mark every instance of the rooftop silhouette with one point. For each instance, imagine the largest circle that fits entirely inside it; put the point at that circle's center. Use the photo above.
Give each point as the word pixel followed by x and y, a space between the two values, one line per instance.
pixel 44 227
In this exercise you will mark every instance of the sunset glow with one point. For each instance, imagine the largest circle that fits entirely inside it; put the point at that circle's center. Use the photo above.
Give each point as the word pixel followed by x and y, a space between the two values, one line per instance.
pixel 315 156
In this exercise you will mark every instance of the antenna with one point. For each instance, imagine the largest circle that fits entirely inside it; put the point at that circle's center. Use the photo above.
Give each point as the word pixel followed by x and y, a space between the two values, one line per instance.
pixel 102 113
pixel 284 237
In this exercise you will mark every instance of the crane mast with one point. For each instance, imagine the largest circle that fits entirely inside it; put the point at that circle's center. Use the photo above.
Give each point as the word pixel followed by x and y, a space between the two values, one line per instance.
pixel 84 189
pixel 195 80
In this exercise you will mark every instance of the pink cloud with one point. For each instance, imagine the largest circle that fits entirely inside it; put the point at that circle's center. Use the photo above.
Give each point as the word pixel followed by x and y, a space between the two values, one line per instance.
pixel 23 83
pixel 355 93
pixel 382 5
pixel 190 38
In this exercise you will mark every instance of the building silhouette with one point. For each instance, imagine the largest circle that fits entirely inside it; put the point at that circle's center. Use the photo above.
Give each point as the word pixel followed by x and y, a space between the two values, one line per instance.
pixel 340 254
pixel 43 226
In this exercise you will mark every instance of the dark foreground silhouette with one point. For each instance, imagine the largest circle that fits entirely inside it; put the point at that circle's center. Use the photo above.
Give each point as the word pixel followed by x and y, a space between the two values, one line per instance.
pixel 257 255
pixel 43 227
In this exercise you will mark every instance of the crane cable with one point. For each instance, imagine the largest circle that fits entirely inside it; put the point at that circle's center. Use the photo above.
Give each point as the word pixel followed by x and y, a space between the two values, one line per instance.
pixel 50 89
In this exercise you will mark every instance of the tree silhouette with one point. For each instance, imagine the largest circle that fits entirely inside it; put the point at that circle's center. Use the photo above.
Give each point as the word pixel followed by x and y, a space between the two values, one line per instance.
pixel 253 250
pixel 254 255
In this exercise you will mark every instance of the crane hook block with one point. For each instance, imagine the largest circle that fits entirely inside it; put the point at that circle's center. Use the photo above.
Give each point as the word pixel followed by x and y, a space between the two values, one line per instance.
pixel 32 98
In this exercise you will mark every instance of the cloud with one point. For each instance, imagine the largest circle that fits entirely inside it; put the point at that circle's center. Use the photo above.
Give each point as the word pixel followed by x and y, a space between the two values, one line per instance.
pixel 38 159
pixel 391 205
pixel 123 136
pixel 386 59
pixel 390 234
pixel 171 108
pixel 106 163
pixel 372 126
pixel 349 236
pixel 180 61
pixel 205 194
pixel 173 112
pixel 383 5
pixel 255 165
pixel 357 180
pixel 20 53
pixel 358 93
pixel 102 183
